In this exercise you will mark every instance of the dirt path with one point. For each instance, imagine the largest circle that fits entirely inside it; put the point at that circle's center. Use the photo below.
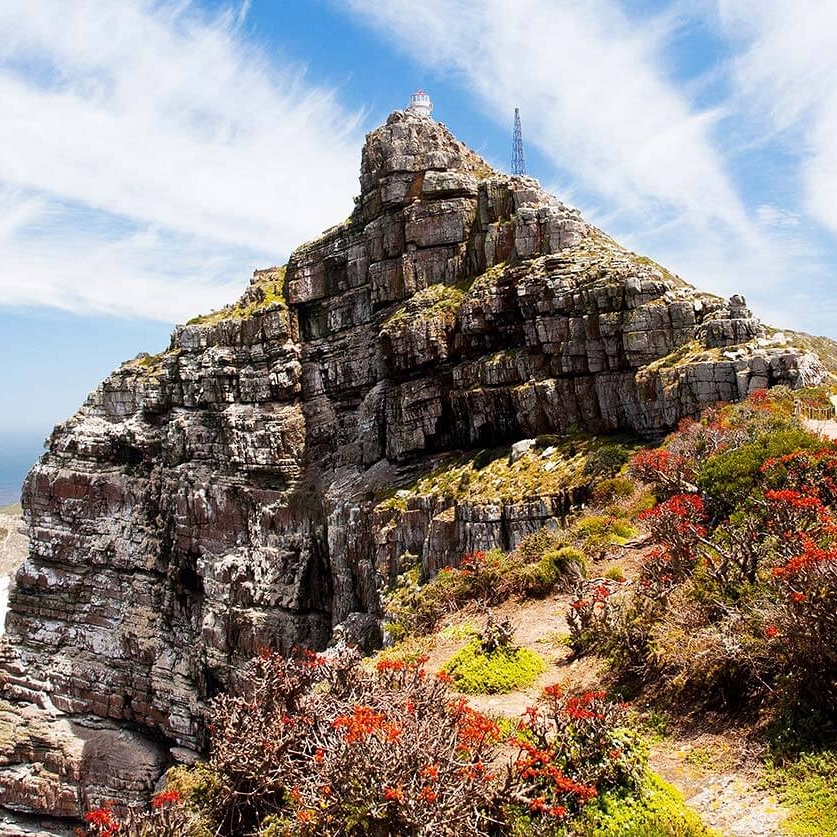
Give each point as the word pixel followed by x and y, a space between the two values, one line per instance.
pixel 720 780
pixel 822 428
pixel 717 775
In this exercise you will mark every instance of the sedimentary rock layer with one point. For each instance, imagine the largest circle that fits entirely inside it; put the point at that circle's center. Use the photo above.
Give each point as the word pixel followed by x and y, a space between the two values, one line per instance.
pixel 222 496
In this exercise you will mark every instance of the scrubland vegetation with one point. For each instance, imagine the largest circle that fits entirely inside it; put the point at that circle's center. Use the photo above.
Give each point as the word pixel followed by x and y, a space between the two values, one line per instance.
pixel 727 606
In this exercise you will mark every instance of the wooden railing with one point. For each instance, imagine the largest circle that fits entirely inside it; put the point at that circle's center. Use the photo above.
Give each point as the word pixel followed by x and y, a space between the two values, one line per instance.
pixel 806 411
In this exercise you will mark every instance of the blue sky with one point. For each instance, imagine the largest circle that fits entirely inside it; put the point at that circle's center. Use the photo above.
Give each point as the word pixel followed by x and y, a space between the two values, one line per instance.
pixel 152 154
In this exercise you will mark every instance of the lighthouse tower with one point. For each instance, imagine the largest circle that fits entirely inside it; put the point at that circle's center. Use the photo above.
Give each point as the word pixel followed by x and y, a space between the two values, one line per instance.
pixel 420 104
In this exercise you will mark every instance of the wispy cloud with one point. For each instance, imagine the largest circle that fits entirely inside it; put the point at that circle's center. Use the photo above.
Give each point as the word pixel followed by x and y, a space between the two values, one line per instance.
pixel 594 84
pixel 593 91
pixel 169 120
pixel 785 76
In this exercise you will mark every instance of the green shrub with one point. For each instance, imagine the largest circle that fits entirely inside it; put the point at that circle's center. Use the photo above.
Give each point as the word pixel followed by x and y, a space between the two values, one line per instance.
pixel 808 789
pixel 615 488
pixel 606 461
pixel 615 574
pixel 597 531
pixel 643 503
pixel 657 810
pixel 538 579
pixel 476 672
pixel 534 546
pixel 555 565
pixel 567 556
pixel 537 567
pixel 730 477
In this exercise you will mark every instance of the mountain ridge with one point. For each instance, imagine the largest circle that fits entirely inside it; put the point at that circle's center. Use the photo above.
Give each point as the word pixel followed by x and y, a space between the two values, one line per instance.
pixel 224 496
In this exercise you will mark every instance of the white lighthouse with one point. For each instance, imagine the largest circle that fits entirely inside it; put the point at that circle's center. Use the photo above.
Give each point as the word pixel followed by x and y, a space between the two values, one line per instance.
pixel 420 104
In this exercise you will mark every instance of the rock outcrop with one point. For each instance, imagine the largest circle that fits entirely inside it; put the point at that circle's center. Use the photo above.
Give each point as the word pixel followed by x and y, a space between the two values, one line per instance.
pixel 224 496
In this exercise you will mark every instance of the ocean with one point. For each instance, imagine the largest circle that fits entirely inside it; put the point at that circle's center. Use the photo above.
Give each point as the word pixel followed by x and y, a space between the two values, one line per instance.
pixel 18 452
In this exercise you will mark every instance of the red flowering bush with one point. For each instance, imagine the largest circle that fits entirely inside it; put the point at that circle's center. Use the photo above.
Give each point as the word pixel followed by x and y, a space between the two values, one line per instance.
pixel 573 747
pixel 738 596
pixel 101 822
pixel 679 526
pixel 328 746
pixel 667 471
pixel 324 746
pixel 805 471
pixel 167 818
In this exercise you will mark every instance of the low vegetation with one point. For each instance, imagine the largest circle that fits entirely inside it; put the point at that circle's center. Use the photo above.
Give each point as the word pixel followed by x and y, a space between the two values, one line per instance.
pixel 491 663
pixel 555 464
pixel 267 290
pixel 325 746
pixel 434 302
pixel 725 599
pixel 738 600
pixel 807 788
pixel 542 564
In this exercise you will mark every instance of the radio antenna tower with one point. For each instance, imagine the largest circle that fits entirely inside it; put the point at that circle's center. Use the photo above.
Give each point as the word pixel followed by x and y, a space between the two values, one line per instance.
pixel 518 160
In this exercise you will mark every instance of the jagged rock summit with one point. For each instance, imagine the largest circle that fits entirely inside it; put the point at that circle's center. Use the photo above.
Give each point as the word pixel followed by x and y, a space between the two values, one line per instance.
pixel 225 495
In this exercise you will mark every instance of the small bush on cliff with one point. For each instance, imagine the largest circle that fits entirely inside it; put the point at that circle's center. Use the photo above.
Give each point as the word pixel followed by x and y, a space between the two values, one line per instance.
pixel 606 461
pixel 540 565
pixel 608 490
pixel 491 663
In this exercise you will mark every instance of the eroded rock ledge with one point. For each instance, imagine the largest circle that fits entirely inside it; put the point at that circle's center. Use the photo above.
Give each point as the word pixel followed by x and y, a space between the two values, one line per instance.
pixel 223 496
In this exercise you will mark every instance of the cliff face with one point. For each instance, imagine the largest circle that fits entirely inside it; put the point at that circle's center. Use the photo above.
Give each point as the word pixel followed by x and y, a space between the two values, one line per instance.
pixel 225 495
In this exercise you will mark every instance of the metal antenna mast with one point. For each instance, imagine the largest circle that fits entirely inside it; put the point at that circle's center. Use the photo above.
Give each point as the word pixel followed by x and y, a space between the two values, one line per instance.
pixel 518 165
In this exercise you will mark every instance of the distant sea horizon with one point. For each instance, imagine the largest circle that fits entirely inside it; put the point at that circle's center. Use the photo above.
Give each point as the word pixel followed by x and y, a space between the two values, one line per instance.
pixel 19 450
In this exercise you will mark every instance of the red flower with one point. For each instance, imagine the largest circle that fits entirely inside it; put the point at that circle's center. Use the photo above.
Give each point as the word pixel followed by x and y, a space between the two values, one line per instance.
pixel 103 820
pixel 427 794
pixel 430 772
pixel 393 794
pixel 166 797
pixel 390 665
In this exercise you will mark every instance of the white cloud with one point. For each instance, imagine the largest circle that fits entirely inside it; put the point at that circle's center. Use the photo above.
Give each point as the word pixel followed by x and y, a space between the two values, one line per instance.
pixel 178 128
pixel 72 258
pixel 785 75
pixel 597 98
pixel 592 91
pixel 770 215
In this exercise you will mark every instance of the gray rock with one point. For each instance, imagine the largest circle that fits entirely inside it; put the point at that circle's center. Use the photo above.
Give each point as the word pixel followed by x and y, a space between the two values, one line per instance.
pixel 519 449
pixel 219 499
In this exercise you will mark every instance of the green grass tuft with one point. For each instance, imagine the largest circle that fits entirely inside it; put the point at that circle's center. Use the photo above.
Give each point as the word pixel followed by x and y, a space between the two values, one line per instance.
pixel 807 787
pixel 657 811
pixel 476 673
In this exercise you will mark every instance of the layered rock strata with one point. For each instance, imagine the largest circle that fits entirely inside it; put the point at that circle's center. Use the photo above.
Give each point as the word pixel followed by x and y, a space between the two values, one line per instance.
pixel 223 496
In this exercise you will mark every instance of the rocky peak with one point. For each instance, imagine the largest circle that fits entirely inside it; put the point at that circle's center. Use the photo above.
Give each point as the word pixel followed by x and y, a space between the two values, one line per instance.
pixel 224 495
pixel 411 144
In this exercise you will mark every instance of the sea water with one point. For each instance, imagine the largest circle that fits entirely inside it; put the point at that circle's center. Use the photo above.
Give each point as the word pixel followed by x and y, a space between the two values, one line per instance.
pixel 18 453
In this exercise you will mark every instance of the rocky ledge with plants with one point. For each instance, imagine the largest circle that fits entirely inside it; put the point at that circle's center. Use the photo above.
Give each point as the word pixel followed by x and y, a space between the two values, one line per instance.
pixel 430 408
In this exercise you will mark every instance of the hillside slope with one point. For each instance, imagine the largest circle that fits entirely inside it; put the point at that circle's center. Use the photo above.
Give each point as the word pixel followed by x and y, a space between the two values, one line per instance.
pixel 255 485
